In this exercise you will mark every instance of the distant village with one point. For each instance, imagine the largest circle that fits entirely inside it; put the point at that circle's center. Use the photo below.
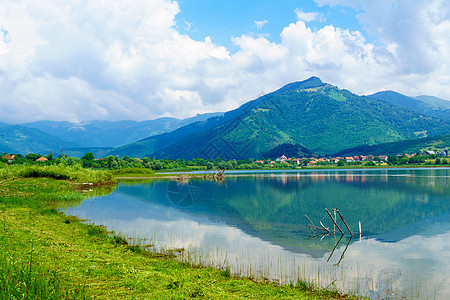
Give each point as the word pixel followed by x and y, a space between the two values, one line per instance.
pixel 407 158
pixel 113 163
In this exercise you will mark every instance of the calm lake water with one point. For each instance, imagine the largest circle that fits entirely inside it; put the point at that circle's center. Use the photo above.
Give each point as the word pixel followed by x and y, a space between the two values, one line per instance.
pixel 254 223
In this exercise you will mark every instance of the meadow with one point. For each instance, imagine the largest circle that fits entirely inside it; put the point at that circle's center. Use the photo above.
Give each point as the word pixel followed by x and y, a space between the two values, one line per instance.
pixel 45 254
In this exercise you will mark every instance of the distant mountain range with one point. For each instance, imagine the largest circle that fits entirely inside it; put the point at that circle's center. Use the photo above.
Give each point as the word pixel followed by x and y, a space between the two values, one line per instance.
pixel 302 117
pixel 426 105
pixel 98 137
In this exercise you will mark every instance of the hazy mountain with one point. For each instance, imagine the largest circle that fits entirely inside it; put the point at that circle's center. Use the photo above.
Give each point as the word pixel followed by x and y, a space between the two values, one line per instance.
pixel 23 140
pixel 435 101
pixel 427 105
pixel 112 134
pixel 312 114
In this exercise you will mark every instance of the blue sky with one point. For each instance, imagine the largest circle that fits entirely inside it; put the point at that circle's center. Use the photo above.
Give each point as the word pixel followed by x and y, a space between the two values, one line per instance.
pixel 221 20
pixel 144 59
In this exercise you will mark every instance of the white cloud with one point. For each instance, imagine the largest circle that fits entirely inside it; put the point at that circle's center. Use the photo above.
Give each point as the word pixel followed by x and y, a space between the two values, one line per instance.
pixel 416 33
pixel 70 61
pixel 260 24
pixel 308 16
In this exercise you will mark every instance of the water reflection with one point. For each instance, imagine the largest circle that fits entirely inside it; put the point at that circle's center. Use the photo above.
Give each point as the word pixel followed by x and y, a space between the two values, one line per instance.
pixel 256 225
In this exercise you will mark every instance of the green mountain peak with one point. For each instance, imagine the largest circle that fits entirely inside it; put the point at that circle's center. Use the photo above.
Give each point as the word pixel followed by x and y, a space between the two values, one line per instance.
pixel 312 82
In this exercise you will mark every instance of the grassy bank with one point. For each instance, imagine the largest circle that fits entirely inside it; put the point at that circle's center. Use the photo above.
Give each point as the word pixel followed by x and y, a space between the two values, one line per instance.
pixel 45 254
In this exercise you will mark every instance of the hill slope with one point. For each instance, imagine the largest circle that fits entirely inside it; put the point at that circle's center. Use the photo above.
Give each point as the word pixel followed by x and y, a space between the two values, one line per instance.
pixel 311 114
pixel 23 140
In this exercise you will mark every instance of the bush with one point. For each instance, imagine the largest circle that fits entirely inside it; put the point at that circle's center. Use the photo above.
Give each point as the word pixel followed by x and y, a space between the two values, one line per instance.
pixel 144 171
pixel 73 173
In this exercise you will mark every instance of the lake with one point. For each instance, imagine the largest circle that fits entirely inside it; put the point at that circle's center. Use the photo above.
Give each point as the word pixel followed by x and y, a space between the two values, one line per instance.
pixel 254 223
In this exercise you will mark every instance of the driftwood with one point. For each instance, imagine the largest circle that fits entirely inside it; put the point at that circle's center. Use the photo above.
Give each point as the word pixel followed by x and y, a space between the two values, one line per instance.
pixel 342 218
pixel 334 221
pixel 318 228
pixel 326 231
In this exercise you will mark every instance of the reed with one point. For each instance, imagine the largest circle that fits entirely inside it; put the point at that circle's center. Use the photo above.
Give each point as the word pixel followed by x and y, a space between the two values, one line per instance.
pixel 23 278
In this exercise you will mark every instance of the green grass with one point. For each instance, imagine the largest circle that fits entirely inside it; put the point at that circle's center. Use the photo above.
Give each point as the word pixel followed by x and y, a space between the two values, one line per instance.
pixel 21 279
pixel 45 254
pixel 71 173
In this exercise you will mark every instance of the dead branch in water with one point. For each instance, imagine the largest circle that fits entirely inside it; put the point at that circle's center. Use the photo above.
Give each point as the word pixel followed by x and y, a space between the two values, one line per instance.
pixel 342 218
pixel 316 227
pixel 334 221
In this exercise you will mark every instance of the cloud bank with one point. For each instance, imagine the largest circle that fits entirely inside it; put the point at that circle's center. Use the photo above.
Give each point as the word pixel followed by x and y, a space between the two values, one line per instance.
pixel 88 60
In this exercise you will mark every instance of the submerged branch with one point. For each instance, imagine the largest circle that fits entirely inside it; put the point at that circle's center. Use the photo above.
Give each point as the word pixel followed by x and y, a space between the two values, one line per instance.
pixel 334 222
pixel 342 218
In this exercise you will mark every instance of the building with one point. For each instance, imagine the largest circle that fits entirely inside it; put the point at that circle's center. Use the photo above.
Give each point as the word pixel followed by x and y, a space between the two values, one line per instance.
pixel 10 158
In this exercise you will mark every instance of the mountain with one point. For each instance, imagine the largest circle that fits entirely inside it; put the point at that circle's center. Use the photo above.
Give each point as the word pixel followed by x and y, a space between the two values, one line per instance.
pixel 310 113
pixel 112 134
pixel 427 105
pixel 434 101
pixel 438 143
pixel 3 124
pixel 23 140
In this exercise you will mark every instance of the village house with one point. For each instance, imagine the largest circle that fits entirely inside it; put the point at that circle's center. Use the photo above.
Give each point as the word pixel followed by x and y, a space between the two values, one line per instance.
pixel 41 159
pixel 281 158
pixel 10 158
pixel 383 157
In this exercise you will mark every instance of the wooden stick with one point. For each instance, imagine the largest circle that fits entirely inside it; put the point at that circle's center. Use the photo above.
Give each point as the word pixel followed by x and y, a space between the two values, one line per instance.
pixel 342 218
pixel 324 228
pixel 315 227
pixel 309 220
pixel 334 221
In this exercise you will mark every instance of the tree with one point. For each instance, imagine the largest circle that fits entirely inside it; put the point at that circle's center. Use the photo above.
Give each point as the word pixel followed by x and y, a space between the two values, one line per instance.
pixel 87 160
pixel 392 159
pixel 32 156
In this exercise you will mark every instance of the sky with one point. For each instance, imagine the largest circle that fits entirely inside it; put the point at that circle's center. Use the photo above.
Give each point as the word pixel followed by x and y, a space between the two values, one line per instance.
pixel 143 59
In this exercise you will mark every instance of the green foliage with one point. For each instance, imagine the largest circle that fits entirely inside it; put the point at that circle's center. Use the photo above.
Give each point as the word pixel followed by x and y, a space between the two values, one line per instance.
pixel 73 173
pixel 438 143
pixel 288 150
pixel 137 171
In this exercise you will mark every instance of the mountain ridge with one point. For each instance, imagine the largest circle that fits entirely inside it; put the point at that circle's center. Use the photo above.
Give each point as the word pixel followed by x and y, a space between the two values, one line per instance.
pixel 311 114
pixel 427 105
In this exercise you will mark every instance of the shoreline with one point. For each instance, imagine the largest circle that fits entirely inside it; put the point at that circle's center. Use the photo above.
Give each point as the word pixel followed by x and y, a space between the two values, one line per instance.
pixel 248 172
